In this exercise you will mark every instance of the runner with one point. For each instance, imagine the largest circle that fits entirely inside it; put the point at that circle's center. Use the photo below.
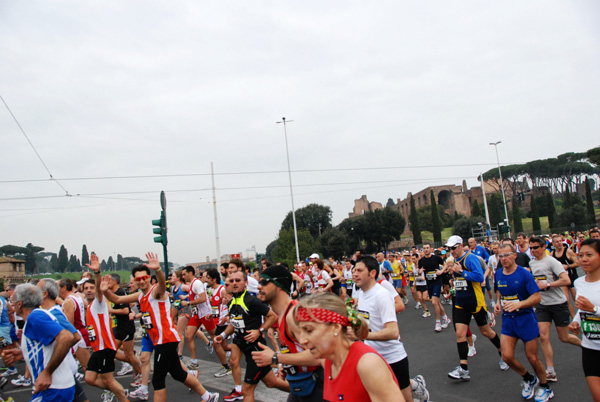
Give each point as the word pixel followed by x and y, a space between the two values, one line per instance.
pixel 569 261
pixel 385 267
pixel 101 367
pixel 376 306
pixel 517 293
pixel 588 314
pixel 246 321
pixel 214 282
pixel 431 266
pixel 397 277
pixel 156 315
pixel 354 371
pixel 179 292
pixel 421 286
pixel 469 303
pixel 74 309
pixel 322 280
pixel 303 372
pixel 347 282
pixel 550 277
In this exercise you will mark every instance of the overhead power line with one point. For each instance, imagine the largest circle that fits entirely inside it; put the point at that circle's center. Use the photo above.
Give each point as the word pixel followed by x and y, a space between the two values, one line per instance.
pixel 33 147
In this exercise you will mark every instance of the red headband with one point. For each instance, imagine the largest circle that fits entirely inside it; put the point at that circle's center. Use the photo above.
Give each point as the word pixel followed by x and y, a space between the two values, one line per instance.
pixel 321 315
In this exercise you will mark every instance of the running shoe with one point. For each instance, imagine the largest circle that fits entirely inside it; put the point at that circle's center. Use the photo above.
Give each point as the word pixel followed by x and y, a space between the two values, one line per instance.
pixel 139 393
pixel 418 306
pixel 223 372
pixel 21 381
pixel 474 338
pixel 234 396
pixel 214 397
pixel 543 394
pixel 460 374
pixel 10 372
pixel 421 391
pixel 193 365
pixel 472 351
pixel 551 376
pixel 405 300
pixel 228 354
pixel 503 365
pixel 445 321
pixel 79 376
pixel 137 381
pixel 438 327
pixel 491 319
pixel 107 396
pixel 210 348
pixel 426 314
pixel 529 387
pixel 126 369
pixel 3 381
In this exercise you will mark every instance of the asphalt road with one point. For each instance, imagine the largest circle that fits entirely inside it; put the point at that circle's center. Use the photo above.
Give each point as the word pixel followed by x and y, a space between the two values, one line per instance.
pixel 431 354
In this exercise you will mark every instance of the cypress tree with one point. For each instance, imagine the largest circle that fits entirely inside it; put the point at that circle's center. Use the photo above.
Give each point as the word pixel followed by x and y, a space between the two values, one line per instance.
pixel 63 260
pixel 476 209
pixel 85 257
pixel 551 210
pixel 535 216
pixel 413 218
pixel 589 202
pixel 435 220
pixel 517 222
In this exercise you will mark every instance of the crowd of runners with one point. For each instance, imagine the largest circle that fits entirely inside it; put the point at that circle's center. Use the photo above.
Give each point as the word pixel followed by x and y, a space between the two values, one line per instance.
pixel 320 330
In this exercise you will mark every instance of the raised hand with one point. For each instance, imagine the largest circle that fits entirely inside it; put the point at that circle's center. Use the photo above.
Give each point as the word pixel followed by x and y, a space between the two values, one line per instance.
pixel 105 284
pixel 153 263
pixel 94 264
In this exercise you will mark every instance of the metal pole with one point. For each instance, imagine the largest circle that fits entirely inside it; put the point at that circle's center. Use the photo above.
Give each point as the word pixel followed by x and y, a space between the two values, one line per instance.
pixel 495 144
pixel 291 188
pixel 218 241
pixel 487 214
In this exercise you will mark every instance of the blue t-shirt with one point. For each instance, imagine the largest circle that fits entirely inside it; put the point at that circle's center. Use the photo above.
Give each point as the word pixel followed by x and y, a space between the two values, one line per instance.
pixel 62 320
pixel 385 266
pixel 517 286
pixel 4 321
pixel 482 252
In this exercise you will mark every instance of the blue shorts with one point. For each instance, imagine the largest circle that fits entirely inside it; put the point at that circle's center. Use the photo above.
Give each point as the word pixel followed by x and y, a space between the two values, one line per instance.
pixel 13 334
pixel 434 290
pixel 54 395
pixel 523 327
pixel 147 345
pixel 5 334
pixel 398 283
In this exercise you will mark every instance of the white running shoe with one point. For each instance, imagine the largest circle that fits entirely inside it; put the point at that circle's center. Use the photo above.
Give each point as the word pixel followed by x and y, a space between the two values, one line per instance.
pixel 21 381
pixel 421 391
pixel 213 397
pixel 445 322
pixel 438 327
pixel 126 369
pixel 503 365
pixel 223 372
pixel 543 394
pixel 529 388
pixel 460 374
pixel 210 348
pixel 418 306
pixel 107 396
pixel 10 372
pixel 139 393
pixel 472 351
pixel 426 314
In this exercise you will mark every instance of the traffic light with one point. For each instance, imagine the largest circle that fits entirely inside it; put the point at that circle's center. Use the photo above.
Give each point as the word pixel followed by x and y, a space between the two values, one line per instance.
pixel 160 229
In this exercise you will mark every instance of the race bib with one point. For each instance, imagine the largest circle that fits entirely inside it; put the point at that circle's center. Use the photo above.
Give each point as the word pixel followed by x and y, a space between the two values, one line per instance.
pixel 238 323
pixel 511 298
pixel 91 333
pixel 215 311
pixel 194 310
pixel 349 282
pixel 590 324
pixel 431 276
pixel 460 284
pixel 147 320
pixel 541 278
pixel 288 368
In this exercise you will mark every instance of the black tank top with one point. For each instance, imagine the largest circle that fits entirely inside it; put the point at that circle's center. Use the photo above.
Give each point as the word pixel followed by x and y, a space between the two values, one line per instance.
pixel 563 259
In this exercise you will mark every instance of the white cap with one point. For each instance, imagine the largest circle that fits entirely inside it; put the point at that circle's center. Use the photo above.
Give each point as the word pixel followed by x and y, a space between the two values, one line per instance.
pixel 314 255
pixel 82 281
pixel 454 240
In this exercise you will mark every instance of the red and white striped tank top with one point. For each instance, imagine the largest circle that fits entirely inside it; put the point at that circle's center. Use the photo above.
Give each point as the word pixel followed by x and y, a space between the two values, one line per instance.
pixel 156 316
pixel 100 326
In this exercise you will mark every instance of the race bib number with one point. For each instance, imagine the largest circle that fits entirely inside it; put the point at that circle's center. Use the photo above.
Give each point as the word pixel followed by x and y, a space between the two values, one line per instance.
pixel 215 311
pixel 113 320
pixel 147 320
pixel 238 323
pixel 460 284
pixel 511 298
pixel 194 310
pixel 91 333
pixel 590 324
pixel 431 276
pixel 349 282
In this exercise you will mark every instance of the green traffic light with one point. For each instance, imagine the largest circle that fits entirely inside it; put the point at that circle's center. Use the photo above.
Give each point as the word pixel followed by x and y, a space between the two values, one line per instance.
pixel 158 239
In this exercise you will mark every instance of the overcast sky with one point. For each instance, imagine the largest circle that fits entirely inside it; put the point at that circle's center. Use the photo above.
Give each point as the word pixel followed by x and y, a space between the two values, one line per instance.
pixel 138 88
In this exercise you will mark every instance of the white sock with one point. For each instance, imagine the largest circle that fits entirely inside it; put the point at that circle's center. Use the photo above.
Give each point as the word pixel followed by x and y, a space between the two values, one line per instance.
pixel 194 361
pixel 144 388
pixel 413 385
pixel 238 388
pixel 205 396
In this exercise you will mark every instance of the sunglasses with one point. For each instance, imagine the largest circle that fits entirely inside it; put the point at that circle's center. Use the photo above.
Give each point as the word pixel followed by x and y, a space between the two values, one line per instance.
pixel 141 278
pixel 266 281
pixel 236 280
pixel 535 247
pixel 454 247
pixel 505 255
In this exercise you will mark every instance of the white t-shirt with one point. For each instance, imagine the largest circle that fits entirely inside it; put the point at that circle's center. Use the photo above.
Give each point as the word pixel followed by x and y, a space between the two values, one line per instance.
pixel 493 262
pixel 308 283
pixel 549 269
pixel 591 328
pixel 203 308
pixel 322 278
pixel 390 288
pixel 377 305
pixel 252 285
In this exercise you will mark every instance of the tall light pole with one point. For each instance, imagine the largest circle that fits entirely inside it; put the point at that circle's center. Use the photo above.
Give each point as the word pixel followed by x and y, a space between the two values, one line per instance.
pixel 291 188
pixel 495 144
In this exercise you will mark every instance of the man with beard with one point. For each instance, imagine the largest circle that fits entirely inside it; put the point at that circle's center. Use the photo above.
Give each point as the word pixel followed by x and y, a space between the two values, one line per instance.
pixel 299 364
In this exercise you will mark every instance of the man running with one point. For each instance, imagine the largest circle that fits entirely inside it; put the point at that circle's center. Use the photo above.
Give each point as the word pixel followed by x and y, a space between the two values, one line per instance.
pixel 156 315
pixel 299 364
pixel 517 293
pixel 432 266
pixel 74 309
pixel 213 280
pixel 470 302
pixel 246 314
pixel 570 262
pixel 551 277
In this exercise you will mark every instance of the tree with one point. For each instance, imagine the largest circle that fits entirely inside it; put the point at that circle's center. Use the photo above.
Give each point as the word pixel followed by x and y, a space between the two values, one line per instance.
pixel 476 209
pixel 85 257
pixel 314 217
pixel 516 215
pixel 285 251
pixel 31 258
pixel 568 200
pixel 74 264
pixel 63 259
pixel 589 203
pixel 551 210
pixel 120 263
pixel 463 227
pixel 413 218
pixel 495 209
pixel 435 220
pixel 111 263
pixel 269 250
pixel 535 216
pixel 334 242
pixel 390 203
pixel 103 266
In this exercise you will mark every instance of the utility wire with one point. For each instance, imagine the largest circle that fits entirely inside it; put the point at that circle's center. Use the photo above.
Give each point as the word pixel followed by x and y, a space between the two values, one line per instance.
pixel 33 147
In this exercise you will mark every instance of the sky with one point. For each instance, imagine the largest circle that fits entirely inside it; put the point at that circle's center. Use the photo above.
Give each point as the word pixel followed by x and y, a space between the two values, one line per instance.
pixel 118 101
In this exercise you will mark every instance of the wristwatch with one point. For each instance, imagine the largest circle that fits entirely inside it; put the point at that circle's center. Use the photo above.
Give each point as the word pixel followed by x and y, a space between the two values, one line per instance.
pixel 274 359
pixel 262 331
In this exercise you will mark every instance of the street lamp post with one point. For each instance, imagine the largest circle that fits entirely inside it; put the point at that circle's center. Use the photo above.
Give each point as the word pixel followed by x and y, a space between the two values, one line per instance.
pixel 495 144
pixel 291 188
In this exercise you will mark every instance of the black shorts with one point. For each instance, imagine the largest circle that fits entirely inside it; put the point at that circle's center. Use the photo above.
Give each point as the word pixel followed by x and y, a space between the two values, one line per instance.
pixel 463 315
pixel 559 313
pixel 102 361
pixel 400 370
pixel 219 329
pixel 253 373
pixel 421 288
pixel 591 362
pixel 445 279
pixel 123 335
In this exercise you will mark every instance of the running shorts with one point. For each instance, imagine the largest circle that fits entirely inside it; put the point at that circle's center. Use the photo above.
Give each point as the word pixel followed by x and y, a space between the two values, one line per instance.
pixel 463 315
pixel 591 362
pixel 400 370
pixel 434 290
pixel 102 361
pixel 559 313
pixel 523 327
